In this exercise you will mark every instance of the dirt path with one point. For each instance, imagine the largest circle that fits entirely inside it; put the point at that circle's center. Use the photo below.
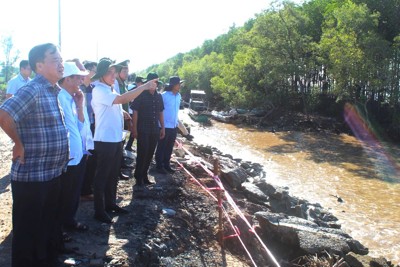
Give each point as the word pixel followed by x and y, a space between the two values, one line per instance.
pixel 147 236
pixel 5 198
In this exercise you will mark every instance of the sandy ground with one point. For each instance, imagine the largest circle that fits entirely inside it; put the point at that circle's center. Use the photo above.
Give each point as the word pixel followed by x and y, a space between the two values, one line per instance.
pixel 5 196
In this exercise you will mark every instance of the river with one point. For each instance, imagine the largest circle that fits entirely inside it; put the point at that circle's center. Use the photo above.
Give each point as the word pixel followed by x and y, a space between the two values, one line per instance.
pixel 320 166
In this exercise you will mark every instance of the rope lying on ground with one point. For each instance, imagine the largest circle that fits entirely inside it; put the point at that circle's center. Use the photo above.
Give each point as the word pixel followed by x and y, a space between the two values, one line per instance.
pixel 229 200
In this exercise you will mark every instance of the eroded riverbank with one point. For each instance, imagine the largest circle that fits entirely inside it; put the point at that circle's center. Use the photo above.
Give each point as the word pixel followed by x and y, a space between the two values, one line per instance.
pixel 319 166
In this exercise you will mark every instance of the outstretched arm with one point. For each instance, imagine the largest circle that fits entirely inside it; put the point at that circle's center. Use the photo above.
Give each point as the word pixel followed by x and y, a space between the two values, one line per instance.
pixel 131 95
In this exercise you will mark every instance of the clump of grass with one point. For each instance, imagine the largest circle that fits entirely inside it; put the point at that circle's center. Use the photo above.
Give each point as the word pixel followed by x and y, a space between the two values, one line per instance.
pixel 323 260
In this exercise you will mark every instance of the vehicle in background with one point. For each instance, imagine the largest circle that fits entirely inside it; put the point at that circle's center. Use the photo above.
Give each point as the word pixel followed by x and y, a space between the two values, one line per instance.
pixel 197 106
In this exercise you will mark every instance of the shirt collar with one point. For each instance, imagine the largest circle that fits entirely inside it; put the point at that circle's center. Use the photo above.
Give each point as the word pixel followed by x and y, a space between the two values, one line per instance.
pixel 42 80
pixel 22 78
pixel 63 91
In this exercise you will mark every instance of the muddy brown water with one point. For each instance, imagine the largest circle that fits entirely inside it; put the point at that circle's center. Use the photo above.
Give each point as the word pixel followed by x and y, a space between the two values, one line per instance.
pixel 320 166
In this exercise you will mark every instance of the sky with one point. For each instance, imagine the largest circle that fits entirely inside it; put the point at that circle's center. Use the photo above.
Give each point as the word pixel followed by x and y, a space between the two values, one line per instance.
pixel 145 32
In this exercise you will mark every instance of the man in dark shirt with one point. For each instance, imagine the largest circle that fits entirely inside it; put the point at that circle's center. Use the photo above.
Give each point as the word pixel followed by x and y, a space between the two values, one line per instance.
pixel 148 128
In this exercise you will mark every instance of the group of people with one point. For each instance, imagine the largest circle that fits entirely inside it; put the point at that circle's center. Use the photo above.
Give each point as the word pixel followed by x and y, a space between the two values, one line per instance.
pixel 67 127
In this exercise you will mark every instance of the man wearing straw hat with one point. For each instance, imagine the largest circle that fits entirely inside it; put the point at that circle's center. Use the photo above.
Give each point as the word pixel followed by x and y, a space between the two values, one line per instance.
pixel 108 136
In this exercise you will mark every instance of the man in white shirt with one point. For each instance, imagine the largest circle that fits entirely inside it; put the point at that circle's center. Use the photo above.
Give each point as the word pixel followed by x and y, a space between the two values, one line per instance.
pixel 108 135
pixel 20 80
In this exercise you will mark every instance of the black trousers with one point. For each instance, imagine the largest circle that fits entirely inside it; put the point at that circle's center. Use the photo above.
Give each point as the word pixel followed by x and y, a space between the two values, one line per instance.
pixel 87 186
pixel 130 142
pixel 90 170
pixel 165 147
pixel 36 223
pixel 71 184
pixel 146 145
pixel 105 181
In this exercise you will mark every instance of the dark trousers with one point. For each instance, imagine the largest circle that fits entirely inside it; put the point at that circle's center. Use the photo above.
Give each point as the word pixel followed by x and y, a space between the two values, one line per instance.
pixel 87 186
pixel 146 145
pixel 36 223
pixel 105 181
pixel 130 142
pixel 165 147
pixel 71 185
pixel 90 169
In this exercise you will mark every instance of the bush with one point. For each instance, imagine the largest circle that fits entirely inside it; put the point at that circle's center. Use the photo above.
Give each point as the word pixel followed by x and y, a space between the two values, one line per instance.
pixel 2 92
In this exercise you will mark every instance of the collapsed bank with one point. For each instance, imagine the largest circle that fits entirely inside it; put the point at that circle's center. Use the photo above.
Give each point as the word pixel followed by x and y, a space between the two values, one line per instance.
pixel 292 228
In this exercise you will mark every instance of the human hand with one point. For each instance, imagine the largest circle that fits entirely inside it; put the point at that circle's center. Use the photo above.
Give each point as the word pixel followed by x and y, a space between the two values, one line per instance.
pixel 19 153
pixel 162 133
pixel 78 98
pixel 151 85
pixel 126 115
pixel 134 133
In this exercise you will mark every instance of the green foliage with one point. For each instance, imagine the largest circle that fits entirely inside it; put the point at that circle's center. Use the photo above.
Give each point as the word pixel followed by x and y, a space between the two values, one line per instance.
pixel 312 57
pixel 11 55
pixel 353 48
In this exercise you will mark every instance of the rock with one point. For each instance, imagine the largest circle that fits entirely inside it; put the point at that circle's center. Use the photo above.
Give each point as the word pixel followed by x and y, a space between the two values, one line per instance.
pixel 128 154
pixel 206 150
pixel 280 194
pixel 169 212
pixel 229 156
pixel 267 188
pixel 357 247
pixel 237 160
pixel 253 193
pixel 96 262
pixel 252 172
pixel 234 177
pixel 342 263
pixel 379 262
pixel 300 234
pixel 245 165
pixel 250 180
pixel 297 211
pixel 327 217
pixel 355 260
pixel 179 152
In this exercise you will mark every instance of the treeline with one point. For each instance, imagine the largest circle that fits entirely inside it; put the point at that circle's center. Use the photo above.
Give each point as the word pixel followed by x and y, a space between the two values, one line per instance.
pixel 314 57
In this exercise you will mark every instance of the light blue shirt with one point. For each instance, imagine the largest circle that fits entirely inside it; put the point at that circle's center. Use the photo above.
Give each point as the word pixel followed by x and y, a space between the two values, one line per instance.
pixel 15 83
pixel 171 108
pixel 73 125
pixel 86 133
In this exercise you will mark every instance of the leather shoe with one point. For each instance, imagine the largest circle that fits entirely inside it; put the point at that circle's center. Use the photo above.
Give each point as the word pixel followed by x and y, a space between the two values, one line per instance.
pixel 117 210
pixel 148 182
pixel 189 137
pixel 170 170
pixel 123 176
pixel 104 218
pixel 161 170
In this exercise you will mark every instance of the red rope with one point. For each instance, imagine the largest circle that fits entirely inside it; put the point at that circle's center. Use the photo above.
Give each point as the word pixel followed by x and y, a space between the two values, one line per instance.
pixel 229 200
